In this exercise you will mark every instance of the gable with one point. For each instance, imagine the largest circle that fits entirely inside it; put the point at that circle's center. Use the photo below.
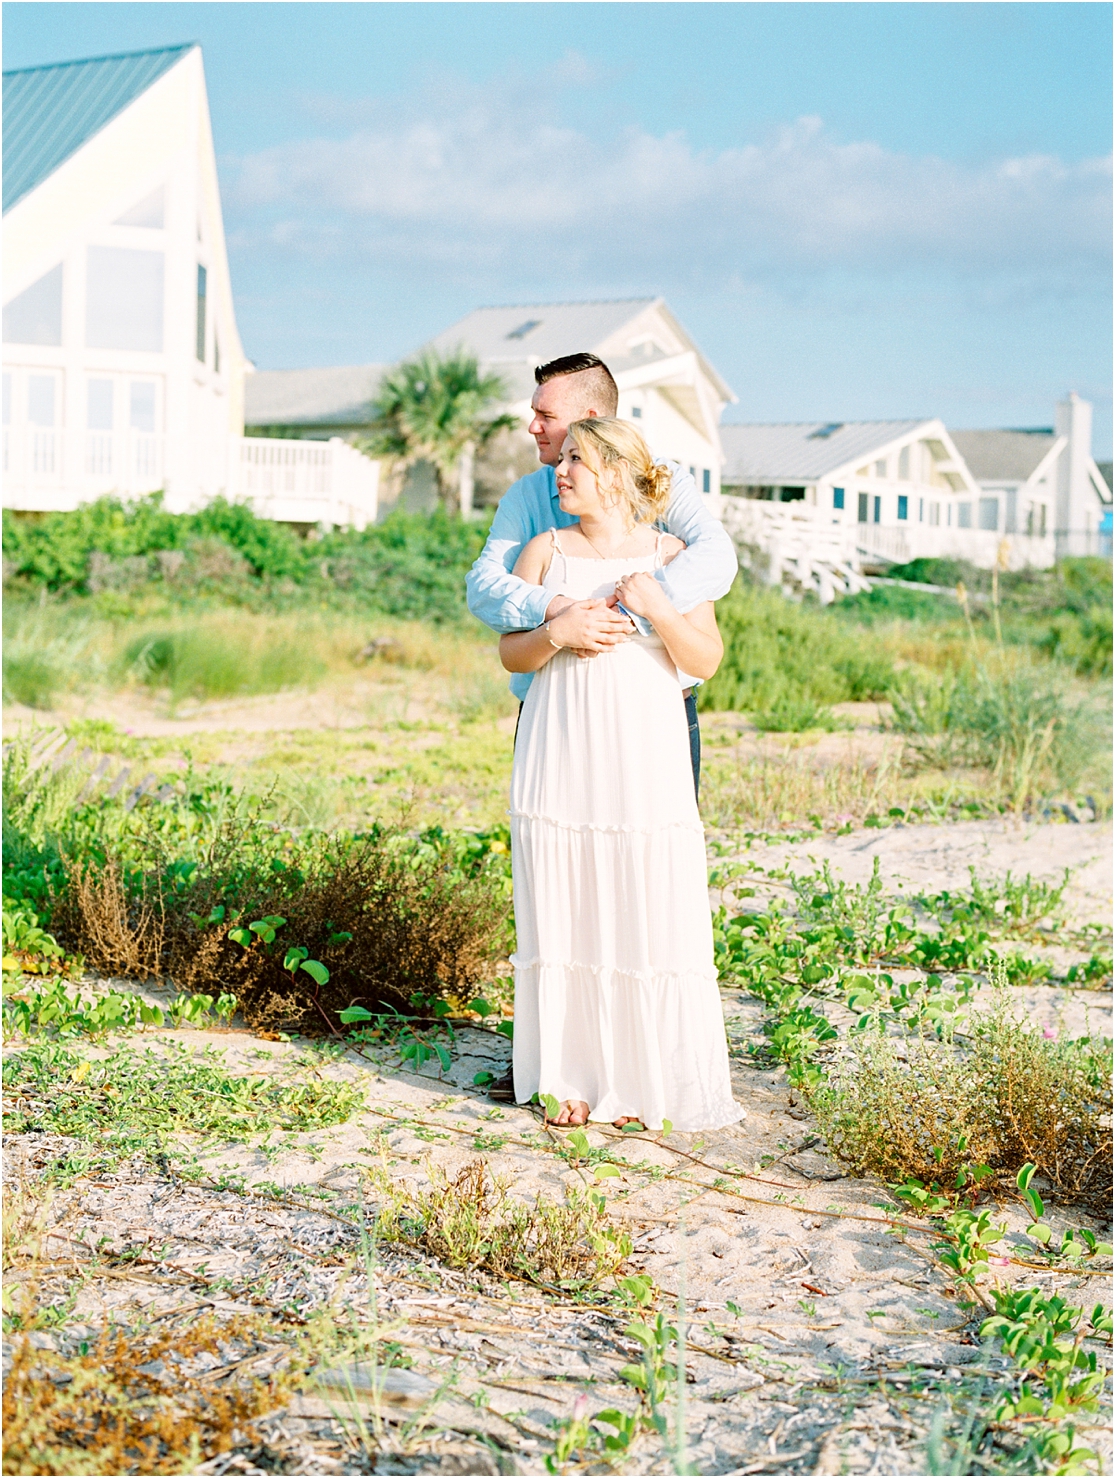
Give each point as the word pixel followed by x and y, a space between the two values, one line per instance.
pixel 1008 456
pixel 537 332
pixel 50 112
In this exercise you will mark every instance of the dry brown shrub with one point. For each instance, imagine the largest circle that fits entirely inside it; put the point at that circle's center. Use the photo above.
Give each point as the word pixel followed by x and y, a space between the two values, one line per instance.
pixel 119 931
pixel 417 930
pixel 921 1109
pixel 130 1404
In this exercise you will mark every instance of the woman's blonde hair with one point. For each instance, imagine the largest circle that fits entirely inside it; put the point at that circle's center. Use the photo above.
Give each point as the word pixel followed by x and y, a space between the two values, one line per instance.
pixel 624 467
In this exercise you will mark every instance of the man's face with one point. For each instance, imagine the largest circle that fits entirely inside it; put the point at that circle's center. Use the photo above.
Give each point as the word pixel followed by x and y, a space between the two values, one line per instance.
pixel 555 405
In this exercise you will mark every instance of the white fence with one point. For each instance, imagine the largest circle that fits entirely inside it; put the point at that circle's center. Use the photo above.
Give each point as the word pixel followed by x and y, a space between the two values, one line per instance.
pixel 802 544
pixel 308 482
pixel 53 471
pixel 326 482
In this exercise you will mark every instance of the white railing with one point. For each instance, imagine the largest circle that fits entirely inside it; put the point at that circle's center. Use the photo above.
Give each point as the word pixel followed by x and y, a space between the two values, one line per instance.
pixel 982 547
pixel 307 482
pixel 53 471
pixel 801 543
pixel 312 482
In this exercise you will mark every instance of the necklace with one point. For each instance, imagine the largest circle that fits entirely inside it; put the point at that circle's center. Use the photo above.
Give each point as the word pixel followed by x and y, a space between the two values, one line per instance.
pixel 594 545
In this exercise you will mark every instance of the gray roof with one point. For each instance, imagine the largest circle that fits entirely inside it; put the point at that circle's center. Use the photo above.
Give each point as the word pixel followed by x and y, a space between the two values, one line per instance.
pixel 802 451
pixel 313 397
pixel 1105 473
pixel 532 333
pixel 1008 455
pixel 49 112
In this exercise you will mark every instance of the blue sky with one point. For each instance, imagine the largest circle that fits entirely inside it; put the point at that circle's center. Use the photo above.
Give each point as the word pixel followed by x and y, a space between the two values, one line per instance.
pixel 858 210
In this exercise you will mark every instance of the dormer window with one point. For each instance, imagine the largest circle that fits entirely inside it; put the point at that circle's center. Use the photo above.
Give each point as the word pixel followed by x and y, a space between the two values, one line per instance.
pixel 822 433
pixel 525 328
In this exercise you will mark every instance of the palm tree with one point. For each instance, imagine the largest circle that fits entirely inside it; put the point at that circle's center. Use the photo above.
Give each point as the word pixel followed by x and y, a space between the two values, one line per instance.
pixel 438 410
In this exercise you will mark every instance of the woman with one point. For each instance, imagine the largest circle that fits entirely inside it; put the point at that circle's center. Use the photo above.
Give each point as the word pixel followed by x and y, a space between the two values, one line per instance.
pixel 617 1009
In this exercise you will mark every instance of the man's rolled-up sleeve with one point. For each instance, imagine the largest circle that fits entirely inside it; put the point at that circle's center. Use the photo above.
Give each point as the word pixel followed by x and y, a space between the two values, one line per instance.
pixel 495 596
pixel 706 567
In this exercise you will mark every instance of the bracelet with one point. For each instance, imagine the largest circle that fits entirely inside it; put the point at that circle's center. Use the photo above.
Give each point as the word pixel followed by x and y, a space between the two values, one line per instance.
pixel 556 645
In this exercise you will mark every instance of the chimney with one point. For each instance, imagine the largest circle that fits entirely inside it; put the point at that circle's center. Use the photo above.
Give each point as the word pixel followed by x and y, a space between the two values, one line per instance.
pixel 1075 512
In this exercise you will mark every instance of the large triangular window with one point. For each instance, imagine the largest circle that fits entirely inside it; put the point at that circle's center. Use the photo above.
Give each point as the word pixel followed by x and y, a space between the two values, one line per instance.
pixel 34 316
pixel 150 212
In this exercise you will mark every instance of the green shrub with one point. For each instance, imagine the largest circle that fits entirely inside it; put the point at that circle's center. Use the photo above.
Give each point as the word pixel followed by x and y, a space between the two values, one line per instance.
pixel 411 565
pixel 776 652
pixel 924 1109
pixel 1007 716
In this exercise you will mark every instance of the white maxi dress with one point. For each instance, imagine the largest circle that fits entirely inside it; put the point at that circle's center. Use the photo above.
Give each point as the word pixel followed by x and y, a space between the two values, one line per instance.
pixel 616 996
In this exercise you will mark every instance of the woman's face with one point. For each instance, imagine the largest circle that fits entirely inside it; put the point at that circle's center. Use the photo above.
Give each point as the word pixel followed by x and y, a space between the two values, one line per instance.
pixel 578 488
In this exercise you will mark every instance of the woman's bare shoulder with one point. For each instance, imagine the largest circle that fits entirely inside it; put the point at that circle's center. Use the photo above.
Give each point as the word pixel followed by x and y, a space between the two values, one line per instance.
pixel 534 557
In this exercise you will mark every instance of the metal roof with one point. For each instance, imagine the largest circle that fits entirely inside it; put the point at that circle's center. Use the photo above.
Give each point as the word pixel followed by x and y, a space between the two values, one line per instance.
pixel 49 112
pixel 337 396
pixel 534 333
pixel 803 451
pixel 1008 455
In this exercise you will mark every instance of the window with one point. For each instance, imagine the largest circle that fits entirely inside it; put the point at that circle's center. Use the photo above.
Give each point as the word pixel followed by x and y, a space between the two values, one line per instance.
pixel 934 515
pixel 904 464
pixel 948 515
pixel 1010 522
pixel 516 333
pixel 989 514
pixel 693 473
pixel 202 276
pixel 838 497
pixel 881 467
pixel 1041 527
pixel 964 515
pixel 637 412
pixel 878 510
pixel 216 356
pixel 903 507
pixel 148 213
pixel 822 433
pixel 40 400
pixel 141 410
pixel 98 405
pixel 921 510
pixel 124 299
pixel 34 316
pixel 706 480
pixel 861 509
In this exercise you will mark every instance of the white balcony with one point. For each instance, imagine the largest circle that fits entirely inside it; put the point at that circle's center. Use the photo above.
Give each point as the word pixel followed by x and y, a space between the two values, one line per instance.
pixel 309 482
pixel 305 482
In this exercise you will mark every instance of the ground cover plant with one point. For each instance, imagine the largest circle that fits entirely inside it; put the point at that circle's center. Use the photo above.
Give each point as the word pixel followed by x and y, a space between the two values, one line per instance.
pixel 918 1087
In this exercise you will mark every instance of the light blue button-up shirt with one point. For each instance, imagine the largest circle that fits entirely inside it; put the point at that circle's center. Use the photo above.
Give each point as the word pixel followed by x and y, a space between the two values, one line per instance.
pixel 703 571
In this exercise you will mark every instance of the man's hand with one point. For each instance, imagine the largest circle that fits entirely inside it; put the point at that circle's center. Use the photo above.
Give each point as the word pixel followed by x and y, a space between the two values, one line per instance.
pixel 557 605
pixel 590 627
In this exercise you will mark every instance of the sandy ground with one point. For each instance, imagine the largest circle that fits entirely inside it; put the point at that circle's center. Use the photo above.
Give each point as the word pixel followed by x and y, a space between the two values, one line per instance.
pixel 809 1317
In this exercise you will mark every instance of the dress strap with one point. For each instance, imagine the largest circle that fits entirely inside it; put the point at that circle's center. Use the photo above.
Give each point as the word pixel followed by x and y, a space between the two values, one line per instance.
pixel 556 551
pixel 659 536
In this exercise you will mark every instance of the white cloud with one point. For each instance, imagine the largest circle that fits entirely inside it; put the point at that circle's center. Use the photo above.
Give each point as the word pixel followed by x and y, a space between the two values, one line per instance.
pixel 477 180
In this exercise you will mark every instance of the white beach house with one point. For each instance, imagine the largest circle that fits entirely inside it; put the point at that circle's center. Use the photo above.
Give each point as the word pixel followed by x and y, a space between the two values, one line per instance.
pixel 123 369
pixel 665 382
pixel 1043 481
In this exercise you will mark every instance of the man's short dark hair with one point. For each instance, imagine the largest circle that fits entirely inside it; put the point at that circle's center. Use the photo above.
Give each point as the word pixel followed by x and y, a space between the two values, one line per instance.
pixel 601 392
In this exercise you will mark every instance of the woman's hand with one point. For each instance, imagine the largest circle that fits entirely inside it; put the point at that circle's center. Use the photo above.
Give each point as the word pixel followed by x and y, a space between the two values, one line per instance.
pixel 642 595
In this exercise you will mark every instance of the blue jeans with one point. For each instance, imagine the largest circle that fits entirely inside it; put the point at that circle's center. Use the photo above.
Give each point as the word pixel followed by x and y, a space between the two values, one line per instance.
pixel 694 740
pixel 694 737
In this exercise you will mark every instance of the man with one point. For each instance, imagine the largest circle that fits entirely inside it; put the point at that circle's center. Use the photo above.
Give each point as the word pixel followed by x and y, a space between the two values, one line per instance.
pixel 574 388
